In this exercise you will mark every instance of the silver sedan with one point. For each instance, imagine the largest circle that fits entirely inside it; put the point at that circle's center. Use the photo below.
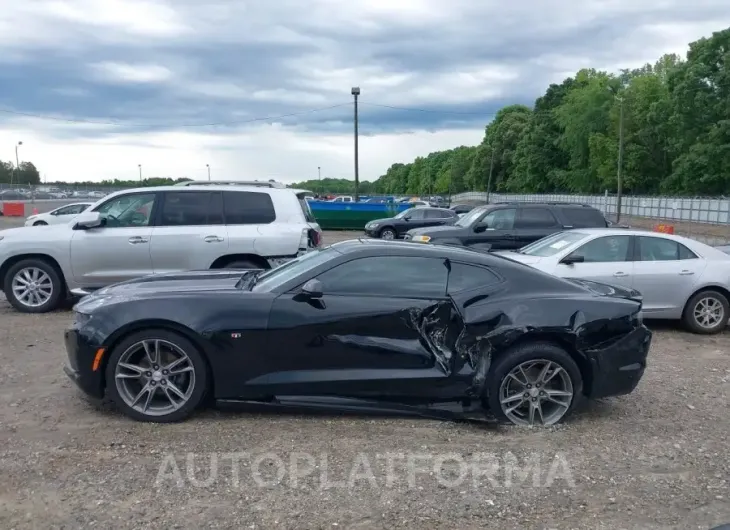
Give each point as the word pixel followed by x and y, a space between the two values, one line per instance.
pixel 679 278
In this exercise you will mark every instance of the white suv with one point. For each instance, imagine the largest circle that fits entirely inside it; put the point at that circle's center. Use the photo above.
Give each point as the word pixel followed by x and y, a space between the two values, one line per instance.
pixel 144 231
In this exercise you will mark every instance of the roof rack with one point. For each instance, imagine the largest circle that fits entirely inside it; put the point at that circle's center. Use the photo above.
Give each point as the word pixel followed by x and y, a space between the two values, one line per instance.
pixel 552 203
pixel 257 183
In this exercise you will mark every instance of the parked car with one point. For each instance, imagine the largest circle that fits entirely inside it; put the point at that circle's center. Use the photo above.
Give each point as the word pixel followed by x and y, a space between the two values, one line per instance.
pixel 154 230
pixel 510 225
pixel 396 227
pixel 679 278
pixel 342 198
pixel 61 215
pixel 461 209
pixel 364 325
pixel 12 195
pixel 724 248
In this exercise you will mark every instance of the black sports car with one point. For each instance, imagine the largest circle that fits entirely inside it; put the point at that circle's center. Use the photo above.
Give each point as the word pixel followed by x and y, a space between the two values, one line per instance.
pixel 361 325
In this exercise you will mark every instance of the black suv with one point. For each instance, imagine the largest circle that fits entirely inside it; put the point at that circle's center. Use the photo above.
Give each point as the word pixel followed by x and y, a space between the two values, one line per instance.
pixel 511 225
pixel 421 217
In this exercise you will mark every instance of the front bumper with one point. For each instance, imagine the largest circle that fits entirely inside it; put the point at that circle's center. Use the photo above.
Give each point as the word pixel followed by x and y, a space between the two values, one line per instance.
pixel 372 231
pixel 80 355
pixel 617 369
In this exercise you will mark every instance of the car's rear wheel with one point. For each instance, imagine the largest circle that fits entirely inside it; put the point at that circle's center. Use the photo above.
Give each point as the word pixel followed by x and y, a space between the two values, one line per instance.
pixel 156 376
pixel 387 233
pixel 33 286
pixel 534 384
pixel 40 223
pixel 707 313
pixel 242 264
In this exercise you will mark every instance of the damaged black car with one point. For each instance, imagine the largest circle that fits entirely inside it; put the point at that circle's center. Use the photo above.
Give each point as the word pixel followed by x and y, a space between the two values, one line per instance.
pixel 362 325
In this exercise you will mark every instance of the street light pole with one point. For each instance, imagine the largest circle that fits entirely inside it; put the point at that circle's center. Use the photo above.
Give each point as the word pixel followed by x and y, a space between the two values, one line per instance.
pixel 208 166
pixel 356 92
pixel 619 177
pixel 17 166
pixel 140 172
pixel 489 180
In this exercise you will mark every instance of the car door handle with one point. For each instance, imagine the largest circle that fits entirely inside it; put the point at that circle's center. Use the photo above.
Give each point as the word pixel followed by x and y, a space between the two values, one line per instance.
pixel 213 239
pixel 686 273
pixel 135 240
pixel 619 274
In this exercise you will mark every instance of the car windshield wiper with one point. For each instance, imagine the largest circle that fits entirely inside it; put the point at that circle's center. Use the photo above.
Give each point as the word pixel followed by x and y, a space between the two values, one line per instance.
pixel 248 280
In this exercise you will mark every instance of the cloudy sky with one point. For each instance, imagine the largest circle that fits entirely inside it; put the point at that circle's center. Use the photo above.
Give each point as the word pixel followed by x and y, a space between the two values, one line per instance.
pixel 261 88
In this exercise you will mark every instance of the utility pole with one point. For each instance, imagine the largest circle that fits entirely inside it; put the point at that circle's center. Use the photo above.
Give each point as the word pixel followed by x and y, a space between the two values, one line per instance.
pixel 356 92
pixel 489 181
pixel 208 166
pixel 140 172
pixel 17 166
pixel 620 157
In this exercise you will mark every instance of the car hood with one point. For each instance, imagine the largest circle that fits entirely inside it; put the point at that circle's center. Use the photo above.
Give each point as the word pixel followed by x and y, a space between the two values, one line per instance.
pixel 381 221
pixel 438 231
pixel 36 233
pixel 521 258
pixel 163 285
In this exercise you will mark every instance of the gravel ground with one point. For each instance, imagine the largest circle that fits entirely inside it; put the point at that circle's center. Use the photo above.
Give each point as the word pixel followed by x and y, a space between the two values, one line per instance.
pixel 653 459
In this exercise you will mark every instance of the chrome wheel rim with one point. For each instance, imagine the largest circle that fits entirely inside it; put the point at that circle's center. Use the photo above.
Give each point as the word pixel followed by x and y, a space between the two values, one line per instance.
pixel 388 234
pixel 537 392
pixel 709 312
pixel 155 377
pixel 32 286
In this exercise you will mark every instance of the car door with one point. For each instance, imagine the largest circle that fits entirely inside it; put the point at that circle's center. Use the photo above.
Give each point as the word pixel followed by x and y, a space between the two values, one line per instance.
pixel 416 218
pixel 118 250
pixel 434 217
pixel 665 273
pixel 378 331
pixel 189 233
pixel 606 259
pixel 493 231
pixel 534 223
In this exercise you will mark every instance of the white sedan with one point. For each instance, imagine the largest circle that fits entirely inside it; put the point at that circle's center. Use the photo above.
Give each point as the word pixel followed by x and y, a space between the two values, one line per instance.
pixel 679 278
pixel 61 215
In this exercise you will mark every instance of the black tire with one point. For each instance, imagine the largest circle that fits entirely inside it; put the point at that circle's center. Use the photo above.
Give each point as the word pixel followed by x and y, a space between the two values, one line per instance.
pixel 243 264
pixel 691 322
pixel 200 368
pixel 528 352
pixel 40 223
pixel 58 289
pixel 387 231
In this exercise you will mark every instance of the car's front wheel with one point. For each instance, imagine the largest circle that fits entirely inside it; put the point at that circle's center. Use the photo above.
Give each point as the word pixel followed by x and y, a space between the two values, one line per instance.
pixel 387 233
pixel 707 313
pixel 40 223
pixel 156 376
pixel 33 286
pixel 534 384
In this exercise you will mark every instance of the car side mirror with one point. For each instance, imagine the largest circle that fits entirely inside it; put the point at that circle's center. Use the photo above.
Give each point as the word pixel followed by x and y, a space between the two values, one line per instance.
pixel 480 227
pixel 572 258
pixel 313 288
pixel 407 218
pixel 88 220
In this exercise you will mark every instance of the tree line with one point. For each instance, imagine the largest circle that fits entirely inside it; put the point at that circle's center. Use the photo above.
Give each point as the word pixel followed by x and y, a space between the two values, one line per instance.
pixel 674 117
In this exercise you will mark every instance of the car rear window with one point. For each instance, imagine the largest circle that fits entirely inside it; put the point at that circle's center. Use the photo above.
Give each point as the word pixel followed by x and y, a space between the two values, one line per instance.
pixel 248 208
pixel 307 211
pixel 581 217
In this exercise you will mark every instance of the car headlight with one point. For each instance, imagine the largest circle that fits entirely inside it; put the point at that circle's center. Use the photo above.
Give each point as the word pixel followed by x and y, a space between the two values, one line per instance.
pixel 422 239
pixel 373 225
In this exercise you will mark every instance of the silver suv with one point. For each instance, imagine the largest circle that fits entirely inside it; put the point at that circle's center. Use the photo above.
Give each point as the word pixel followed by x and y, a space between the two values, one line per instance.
pixel 144 231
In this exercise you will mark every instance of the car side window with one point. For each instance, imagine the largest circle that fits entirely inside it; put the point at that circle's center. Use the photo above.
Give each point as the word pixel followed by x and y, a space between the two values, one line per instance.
pixel 500 219
pixel 393 276
pixel 66 210
pixel 660 249
pixel 417 213
pixel 467 277
pixel 536 218
pixel 248 208
pixel 433 214
pixel 191 208
pixel 605 249
pixel 125 211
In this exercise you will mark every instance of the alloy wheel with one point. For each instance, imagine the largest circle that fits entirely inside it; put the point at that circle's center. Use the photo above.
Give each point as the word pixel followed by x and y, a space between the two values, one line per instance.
pixel 708 312
pixel 32 286
pixel 387 234
pixel 536 392
pixel 155 377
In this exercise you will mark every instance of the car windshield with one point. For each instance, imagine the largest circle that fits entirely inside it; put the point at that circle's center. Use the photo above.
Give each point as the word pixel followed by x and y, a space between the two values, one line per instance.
pixel 404 213
pixel 470 217
pixel 291 269
pixel 551 245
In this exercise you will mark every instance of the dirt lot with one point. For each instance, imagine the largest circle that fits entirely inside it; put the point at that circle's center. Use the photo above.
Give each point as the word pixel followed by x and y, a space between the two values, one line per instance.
pixel 655 459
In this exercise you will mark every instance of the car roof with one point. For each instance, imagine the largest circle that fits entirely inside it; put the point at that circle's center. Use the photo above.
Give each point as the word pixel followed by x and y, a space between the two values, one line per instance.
pixel 205 187
pixel 395 247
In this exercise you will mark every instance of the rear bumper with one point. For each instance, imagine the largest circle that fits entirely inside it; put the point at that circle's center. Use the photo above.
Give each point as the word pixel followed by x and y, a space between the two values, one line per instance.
pixel 617 370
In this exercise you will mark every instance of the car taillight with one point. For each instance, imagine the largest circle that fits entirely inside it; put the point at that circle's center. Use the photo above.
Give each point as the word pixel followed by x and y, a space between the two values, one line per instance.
pixel 315 238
